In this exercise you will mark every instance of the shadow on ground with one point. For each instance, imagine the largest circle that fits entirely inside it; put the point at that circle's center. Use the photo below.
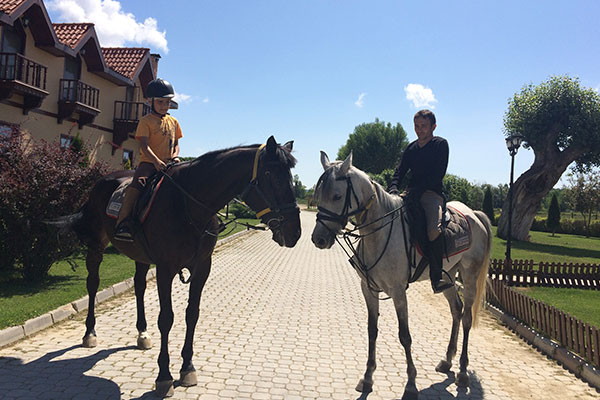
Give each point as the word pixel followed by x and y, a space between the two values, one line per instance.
pixel 46 378
pixel 446 389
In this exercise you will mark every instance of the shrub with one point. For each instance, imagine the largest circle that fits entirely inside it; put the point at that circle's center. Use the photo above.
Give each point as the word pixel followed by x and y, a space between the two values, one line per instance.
pixel 39 181
pixel 553 222
pixel 488 205
pixel 568 226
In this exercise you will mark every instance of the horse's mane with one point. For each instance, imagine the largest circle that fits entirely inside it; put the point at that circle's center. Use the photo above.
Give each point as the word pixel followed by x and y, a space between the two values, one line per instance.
pixel 386 200
pixel 213 157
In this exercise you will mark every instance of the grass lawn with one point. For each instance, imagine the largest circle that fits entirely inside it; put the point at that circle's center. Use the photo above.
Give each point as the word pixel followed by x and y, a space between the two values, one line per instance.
pixel 545 247
pixel 20 301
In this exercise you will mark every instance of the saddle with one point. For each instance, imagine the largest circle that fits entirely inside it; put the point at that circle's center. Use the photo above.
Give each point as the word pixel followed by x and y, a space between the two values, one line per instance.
pixel 144 203
pixel 456 231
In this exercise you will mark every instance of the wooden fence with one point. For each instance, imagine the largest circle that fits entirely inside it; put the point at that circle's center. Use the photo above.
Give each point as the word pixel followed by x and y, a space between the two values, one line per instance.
pixel 568 331
pixel 558 275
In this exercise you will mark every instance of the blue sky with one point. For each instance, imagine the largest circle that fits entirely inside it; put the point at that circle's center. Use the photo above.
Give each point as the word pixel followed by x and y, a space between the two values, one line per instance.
pixel 311 70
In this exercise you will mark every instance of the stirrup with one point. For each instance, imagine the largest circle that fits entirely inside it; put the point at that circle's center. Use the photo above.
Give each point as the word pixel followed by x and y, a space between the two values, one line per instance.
pixel 123 231
pixel 440 286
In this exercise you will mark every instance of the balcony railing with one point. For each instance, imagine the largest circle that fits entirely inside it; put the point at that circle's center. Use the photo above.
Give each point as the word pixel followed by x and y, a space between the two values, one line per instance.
pixel 72 90
pixel 15 67
pixel 128 111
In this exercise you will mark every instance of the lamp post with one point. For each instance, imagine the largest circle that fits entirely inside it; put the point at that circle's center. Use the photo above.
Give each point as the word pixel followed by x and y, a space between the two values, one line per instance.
pixel 513 142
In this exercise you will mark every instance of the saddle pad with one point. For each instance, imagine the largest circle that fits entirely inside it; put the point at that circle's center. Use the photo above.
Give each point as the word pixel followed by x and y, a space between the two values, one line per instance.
pixel 457 234
pixel 116 200
pixel 142 208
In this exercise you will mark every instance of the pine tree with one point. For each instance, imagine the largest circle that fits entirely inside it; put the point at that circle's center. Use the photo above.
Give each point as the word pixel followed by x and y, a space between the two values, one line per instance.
pixel 553 221
pixel 488 204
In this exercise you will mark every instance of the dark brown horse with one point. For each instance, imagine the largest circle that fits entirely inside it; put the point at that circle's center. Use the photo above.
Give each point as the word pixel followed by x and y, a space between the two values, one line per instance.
pixel 181 230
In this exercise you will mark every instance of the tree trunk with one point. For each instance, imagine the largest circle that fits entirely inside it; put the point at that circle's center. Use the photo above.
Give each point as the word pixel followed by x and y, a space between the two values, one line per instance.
pixel 531 187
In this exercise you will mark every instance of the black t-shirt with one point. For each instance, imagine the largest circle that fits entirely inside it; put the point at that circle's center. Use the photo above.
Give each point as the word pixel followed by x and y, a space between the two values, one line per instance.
pixel 427 165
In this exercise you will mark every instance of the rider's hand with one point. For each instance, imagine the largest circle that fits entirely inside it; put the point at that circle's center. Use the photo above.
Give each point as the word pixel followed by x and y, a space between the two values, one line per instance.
pixel 159 165
pixel 175 160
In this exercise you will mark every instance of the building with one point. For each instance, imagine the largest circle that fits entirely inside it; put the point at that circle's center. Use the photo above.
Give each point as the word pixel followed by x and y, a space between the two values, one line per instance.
pixel 57 82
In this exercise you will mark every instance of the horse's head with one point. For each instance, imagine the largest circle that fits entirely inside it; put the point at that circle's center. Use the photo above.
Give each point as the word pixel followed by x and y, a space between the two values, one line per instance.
pixel 271 192
pixel 342 192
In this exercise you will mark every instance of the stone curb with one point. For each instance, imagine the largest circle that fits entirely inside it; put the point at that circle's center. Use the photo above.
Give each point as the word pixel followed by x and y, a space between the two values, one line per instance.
pixel 569 360
pixel 12 334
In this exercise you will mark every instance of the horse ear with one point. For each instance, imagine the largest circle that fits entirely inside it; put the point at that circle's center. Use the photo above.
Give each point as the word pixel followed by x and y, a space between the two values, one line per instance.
pixel 346 165
pixel 289 145
pixel 271 145
pixel 325 160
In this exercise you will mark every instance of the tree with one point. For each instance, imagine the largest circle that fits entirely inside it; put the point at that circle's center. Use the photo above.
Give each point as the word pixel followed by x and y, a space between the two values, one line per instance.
pixel 560 122
pixel 488 204
pixel 299 188
pixel 375 146
pixel 553 221
pixel 583 195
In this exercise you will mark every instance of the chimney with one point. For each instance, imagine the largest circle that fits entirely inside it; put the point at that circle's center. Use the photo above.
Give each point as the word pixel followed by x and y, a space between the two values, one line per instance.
pixel 154 62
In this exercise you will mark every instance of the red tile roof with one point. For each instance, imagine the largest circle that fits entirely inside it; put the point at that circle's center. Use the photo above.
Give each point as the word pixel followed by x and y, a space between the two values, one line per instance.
pixel 8 6
pixel 71 34
pixel 124 60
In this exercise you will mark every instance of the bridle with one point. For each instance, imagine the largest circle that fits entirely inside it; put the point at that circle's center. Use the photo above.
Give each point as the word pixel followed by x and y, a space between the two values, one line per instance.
pixel 270 213
pixel 343 217
pixel 350 236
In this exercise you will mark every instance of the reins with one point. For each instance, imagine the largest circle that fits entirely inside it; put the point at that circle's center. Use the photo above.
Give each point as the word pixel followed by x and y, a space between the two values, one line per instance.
pixel 253 185
pixel 350 236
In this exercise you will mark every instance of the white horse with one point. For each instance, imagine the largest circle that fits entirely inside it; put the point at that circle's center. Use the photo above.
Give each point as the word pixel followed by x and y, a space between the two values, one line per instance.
pixel 344 192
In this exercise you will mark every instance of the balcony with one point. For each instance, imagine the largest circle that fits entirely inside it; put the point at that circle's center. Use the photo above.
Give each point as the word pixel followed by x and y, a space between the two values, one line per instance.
pixel 22 76
pixel 77 97
pixel 126 117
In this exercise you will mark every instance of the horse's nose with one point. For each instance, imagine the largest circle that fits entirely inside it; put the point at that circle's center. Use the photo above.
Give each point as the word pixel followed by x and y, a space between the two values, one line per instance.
pixel 319 241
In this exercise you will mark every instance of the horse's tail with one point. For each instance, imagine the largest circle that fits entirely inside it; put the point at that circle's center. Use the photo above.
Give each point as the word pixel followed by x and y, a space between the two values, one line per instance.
pixel 71 223
pixel 483 272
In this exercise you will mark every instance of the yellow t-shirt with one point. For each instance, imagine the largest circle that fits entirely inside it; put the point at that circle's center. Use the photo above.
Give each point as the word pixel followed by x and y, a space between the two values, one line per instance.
pixel 161 133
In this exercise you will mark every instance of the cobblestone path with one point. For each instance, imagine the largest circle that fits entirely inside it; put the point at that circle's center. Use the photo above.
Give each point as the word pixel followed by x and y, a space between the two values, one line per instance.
pixel 278 323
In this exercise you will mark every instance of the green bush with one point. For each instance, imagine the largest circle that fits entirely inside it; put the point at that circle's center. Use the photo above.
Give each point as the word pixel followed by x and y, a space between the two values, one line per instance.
pixel 568 226
pixel 38 181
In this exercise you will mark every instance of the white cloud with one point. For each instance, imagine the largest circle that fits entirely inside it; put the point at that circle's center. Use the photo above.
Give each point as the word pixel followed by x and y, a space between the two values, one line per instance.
pixel 360 102
pixel 182 98
pixel 420 95
pixel 205 100
pixel 114 26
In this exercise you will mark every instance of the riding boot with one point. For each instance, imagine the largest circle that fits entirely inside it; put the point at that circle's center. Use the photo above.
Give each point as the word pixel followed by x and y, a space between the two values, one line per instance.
pixel 124 229
pixel 436 254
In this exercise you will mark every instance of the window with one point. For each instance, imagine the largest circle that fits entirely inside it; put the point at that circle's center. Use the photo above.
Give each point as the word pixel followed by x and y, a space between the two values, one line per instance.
pixel 13 43
pixel 65 141
pixel 127 159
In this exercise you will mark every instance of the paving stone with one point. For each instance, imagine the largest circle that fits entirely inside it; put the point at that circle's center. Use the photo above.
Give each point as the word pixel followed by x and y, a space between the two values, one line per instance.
pixel 277 323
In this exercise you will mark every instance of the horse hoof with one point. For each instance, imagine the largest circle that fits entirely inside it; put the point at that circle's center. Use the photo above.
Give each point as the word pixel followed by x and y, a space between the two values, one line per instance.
pixel 188 378
pixel 164 388
pixel 462 380
pixel 364 386
pixel 444 366
pixel 143 341
pixel 90 340
pixel 410 393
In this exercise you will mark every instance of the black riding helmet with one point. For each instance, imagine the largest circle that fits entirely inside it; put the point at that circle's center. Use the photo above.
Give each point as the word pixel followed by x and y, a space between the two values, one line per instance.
pixel 159 88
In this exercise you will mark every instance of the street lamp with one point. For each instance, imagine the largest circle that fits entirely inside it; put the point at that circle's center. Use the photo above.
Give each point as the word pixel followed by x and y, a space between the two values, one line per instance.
pixel 513 142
